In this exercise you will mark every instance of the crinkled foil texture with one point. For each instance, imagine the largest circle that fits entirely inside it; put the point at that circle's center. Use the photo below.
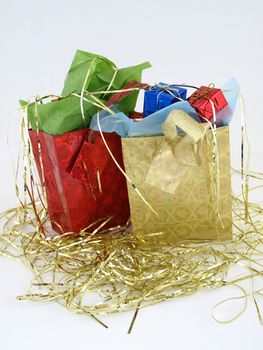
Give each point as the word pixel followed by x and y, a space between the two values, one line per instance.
pixel 116 271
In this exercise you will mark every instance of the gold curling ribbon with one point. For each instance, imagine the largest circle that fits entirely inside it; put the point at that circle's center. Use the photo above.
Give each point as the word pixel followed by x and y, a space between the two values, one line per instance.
pixel 175 156
pixel 201 94
pixel 126 275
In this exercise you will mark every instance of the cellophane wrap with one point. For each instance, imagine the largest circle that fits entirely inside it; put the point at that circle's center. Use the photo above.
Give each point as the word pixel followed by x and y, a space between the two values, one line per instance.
pixel 189 213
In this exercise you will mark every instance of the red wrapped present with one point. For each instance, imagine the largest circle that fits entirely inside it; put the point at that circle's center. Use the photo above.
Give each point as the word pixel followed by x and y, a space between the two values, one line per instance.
pixel 200 100
pixel 83 185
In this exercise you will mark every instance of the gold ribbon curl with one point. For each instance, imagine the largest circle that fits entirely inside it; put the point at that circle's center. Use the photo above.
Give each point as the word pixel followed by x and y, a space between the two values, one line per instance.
pixel 176 155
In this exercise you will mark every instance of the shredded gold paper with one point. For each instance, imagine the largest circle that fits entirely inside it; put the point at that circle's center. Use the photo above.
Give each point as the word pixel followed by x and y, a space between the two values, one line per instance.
pixel 115 271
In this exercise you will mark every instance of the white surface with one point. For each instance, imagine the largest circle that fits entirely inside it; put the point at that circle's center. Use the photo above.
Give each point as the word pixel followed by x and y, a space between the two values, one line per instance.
pixel 186 41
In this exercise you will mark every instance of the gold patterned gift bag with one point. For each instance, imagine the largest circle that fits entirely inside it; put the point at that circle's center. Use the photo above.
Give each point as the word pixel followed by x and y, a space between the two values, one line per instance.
pixel 185 184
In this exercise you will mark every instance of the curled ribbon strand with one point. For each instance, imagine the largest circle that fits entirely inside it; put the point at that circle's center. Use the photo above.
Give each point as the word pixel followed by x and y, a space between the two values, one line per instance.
pixel 126 275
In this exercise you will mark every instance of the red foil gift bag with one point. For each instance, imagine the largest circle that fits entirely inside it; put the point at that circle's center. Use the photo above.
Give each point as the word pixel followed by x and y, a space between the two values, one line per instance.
pixel 83 185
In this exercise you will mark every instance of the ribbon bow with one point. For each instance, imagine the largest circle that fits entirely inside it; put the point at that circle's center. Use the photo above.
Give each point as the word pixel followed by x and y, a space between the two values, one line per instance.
pixel 202 94
pixel 176 155
pixel 171 89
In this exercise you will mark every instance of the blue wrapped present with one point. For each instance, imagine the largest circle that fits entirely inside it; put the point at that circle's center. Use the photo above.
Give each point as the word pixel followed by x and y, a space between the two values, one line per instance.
pixel 160 96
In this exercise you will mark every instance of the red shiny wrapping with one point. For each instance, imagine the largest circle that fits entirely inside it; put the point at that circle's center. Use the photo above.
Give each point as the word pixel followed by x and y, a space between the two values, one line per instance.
pixel 136 116
pixel 120 95
pixel 200 101
pixel 83 184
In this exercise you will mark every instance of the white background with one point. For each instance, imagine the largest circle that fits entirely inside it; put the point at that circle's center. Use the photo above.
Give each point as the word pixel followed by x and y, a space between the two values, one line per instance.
pixel 190 41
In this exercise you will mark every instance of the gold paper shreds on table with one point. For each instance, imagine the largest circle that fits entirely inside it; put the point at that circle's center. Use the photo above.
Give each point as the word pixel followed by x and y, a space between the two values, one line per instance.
pixel 113 272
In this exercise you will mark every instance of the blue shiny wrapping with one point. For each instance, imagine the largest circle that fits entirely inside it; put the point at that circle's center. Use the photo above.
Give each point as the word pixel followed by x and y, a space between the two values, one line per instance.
pixel 156 98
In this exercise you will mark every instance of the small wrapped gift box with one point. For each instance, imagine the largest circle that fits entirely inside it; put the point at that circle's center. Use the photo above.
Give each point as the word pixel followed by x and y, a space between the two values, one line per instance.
pixel 160 96
pixel 201 100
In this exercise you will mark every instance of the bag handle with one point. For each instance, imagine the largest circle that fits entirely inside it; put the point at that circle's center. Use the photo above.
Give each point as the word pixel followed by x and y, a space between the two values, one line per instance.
pixel 176 157
pixel 178 118
pixel 130 87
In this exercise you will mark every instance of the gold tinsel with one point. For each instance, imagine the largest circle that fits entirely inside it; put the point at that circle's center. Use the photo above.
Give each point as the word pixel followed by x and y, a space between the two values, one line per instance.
pixel 113 271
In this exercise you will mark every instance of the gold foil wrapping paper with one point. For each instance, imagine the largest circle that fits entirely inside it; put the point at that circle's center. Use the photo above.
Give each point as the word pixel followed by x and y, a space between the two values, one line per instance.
pixel 188 213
